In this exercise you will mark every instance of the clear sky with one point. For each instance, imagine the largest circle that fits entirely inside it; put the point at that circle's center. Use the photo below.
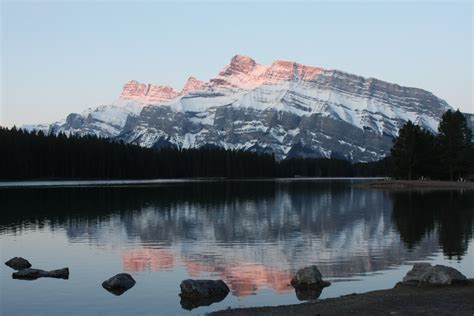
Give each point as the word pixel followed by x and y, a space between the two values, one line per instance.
pixel 62 57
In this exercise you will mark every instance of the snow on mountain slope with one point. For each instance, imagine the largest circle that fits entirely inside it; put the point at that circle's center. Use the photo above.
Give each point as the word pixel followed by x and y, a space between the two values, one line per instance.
pixel 104 120
pixel 284 108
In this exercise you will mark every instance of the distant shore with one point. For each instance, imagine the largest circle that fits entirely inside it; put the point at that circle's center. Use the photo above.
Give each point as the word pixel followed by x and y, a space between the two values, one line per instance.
pixel 401 300
pixel 69 183
pixel 415 184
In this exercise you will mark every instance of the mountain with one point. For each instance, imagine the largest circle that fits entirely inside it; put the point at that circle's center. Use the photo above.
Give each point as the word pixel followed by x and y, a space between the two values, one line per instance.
pixel 285 108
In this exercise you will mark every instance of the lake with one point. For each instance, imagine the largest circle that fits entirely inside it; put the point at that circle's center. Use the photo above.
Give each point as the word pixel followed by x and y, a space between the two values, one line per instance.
pixel 252 234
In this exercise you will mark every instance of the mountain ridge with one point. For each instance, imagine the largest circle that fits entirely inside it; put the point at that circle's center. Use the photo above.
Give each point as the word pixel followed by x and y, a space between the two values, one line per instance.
pixel 285 108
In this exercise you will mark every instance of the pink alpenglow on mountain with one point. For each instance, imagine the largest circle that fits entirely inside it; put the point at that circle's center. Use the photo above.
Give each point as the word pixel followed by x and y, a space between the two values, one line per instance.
pixel 147 93
pixel 193 84
pixel 285 108
pixel 242 72
pixel 287 70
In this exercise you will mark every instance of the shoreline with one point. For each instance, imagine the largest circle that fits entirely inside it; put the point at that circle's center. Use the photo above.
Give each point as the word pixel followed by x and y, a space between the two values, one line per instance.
pixel 416 185
pixel 6 184
pixel 403 299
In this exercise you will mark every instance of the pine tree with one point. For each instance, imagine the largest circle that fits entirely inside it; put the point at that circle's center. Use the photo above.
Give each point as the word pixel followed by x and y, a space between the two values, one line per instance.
pixel 454 142
pixel 38 155
pixel 406 152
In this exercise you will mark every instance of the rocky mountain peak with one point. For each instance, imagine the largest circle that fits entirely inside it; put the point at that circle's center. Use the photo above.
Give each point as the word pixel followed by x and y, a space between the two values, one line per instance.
pixel 238 72
pixel 147 93
pixel 193 84
pixel 241 63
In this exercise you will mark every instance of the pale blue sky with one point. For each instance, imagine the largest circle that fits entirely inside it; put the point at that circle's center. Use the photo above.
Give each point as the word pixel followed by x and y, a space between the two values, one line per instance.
pixel 61 57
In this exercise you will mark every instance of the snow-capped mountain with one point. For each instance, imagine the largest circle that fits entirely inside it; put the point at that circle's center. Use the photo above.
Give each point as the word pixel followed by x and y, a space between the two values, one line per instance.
pixel 284 108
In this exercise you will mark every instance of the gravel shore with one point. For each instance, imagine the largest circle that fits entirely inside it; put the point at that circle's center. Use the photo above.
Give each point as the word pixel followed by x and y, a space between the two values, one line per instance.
pixel 416 184
pixel 401 300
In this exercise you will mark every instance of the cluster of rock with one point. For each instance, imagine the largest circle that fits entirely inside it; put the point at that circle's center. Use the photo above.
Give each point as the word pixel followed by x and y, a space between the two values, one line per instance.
pixel 308 284
pixel 426 274
pixel 117 284
pixel 308 281
pixel 25 272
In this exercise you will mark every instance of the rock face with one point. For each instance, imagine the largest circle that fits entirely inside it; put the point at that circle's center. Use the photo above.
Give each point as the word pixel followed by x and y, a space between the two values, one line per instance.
pixel 426 274
pixel 414 275
pixel 147 93
pixel 285 108
pixel 442 275
pixel 18 263
pixel 119 283
pixel 197 289
pixel 308 277
pixel 193 84
pixel 33 274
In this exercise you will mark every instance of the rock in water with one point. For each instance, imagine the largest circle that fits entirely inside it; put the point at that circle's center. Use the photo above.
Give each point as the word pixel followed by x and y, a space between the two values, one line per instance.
pixel 59 274
pixel 308 277
pixel 414 275
pixel 442 275
pixel 18 263
pixel 33 274
pixel 203 288
pixel 119 284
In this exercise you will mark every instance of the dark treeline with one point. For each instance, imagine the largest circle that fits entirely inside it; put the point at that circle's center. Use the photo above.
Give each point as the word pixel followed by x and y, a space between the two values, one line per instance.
pixel 416 153
pixel 34 155
pixel 448 155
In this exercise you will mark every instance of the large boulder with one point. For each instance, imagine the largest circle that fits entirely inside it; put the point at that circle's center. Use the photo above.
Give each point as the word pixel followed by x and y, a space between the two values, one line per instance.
pixel 18 263
pixel 442 275
pixel 33 274
pixel 308 277
pixel 426 274
pixel 414 275
pixel 203 288
pixel 119 284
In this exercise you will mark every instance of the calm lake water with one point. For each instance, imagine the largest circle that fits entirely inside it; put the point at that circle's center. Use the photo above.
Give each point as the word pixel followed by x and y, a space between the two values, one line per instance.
pixel 251 234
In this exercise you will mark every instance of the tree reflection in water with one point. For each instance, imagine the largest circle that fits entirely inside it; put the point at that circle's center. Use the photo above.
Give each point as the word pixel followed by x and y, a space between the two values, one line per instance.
pixel 252 234
pixel 419 214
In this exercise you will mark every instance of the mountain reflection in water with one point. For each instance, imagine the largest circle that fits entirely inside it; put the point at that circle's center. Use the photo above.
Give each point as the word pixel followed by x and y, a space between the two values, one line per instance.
pixel 251 234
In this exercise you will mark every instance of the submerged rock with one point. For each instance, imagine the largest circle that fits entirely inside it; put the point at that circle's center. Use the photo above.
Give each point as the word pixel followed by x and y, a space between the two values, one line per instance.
pixel 426 274
pixel 308 293
pixel 119 284
pixel 196 289
pixel 190 303
pixel 308 277
pixel 18 263
pixel 33 274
